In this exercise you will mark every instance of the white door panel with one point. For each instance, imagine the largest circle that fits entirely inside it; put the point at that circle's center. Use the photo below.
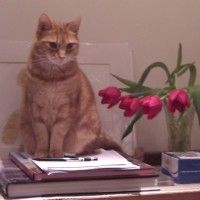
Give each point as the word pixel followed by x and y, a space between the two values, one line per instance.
pixel 98 61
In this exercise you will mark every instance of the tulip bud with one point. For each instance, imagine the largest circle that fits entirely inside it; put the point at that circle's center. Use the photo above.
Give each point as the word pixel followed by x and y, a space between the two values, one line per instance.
pixel 151 105
pixel 110 96
pixel 178 100
pixel 130 105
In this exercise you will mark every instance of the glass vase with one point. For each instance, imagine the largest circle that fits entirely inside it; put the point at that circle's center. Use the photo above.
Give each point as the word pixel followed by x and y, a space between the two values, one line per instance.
pixel 179 126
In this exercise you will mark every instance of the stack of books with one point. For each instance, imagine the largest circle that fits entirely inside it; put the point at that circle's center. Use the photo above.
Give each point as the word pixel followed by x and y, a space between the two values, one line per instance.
pixel 183 167
pixel 106 171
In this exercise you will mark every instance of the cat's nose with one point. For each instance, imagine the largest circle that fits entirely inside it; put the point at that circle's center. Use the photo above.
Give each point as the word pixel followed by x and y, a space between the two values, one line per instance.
pixel 61 54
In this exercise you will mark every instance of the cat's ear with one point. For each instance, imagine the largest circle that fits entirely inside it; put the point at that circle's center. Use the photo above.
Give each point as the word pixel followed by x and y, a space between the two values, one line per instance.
pixel 74 25
pixel 44 24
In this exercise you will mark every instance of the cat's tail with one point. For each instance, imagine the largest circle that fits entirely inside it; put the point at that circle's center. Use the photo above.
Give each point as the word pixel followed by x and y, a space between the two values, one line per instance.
pixel 105 142
pixel 11 129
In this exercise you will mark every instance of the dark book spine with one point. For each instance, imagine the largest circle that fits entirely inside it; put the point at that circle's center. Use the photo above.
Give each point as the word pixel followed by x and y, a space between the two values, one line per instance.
pixel 4 183
pixel 10 174
pixel 27 166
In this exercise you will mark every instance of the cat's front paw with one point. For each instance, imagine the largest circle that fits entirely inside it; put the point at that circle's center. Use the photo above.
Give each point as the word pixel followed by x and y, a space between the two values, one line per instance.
pixel 41 154
pixel 55 153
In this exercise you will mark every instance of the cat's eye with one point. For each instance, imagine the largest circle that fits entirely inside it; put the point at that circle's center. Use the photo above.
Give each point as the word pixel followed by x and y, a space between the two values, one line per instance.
pixel 69 46
pixel 53 45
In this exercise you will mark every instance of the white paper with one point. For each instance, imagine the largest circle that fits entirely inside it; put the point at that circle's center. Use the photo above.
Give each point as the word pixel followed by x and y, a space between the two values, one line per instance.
pixel 106 159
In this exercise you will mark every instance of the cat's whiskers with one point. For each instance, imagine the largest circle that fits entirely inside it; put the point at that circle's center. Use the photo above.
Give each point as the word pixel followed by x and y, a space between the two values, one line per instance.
pixel 60 69
pixel 39 58
pixel 43 61
pixel 61 61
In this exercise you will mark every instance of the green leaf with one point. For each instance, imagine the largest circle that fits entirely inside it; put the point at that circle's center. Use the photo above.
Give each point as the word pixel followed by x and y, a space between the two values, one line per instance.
pixel 138 115
pixel 178 66
pixel 128 90
pixel 138 92
pixel 195 94
pixel 132 86
pixel 179 56
pixel 150 67
pixel 179 61
pixel 182 69
pixel 127 82
pixel 193 72
pixel 136 89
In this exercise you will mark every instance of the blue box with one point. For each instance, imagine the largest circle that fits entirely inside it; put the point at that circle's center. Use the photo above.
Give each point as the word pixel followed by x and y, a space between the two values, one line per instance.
pixel 183 167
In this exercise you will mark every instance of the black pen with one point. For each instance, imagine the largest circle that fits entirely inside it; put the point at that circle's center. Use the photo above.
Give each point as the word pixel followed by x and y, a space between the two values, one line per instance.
pixel 49 159
pixel 67 159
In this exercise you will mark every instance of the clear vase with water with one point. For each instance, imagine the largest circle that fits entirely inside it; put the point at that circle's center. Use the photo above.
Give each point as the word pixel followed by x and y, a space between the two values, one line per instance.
pixel 179 127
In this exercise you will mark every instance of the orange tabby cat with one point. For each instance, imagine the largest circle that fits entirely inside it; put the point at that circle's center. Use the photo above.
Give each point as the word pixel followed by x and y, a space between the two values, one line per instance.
pixel 58 112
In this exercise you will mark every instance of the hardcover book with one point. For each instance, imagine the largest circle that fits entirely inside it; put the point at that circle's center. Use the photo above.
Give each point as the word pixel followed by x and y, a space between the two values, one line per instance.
pixel 16 184
pixel 42 174
pixel 184 167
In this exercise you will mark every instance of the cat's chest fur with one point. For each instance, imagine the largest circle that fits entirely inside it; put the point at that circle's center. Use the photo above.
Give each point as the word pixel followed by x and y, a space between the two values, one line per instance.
pixel 51 101
pixel 51 95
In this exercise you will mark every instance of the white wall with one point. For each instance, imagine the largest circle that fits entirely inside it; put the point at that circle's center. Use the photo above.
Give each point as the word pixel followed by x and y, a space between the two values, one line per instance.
pixel 153 28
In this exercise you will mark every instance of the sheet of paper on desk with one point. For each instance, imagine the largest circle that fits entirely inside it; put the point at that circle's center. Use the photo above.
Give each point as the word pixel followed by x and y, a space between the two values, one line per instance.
pixel 105 159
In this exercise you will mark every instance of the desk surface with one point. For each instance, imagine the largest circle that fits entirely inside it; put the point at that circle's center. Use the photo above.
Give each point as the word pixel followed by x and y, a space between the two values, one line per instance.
pixel 176 192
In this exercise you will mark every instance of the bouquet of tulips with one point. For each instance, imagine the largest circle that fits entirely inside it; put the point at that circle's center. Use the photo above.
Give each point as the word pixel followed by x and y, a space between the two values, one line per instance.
pixel 137 99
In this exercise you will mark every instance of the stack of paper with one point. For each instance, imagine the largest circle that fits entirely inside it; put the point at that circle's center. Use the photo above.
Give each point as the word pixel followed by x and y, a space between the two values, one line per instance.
pixel 104 159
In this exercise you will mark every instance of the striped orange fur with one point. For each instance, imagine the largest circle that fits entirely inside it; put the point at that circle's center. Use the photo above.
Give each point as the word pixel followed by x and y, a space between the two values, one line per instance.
pixel 58 112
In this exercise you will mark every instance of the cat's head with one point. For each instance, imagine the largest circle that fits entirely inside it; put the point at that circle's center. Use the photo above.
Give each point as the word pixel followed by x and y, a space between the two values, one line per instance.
pixel 56 43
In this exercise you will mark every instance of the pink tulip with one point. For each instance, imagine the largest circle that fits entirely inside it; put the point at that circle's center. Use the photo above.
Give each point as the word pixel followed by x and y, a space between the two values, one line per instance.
pixel 178 100
pixel 110 96
pixel 151 105
pixel 130 104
